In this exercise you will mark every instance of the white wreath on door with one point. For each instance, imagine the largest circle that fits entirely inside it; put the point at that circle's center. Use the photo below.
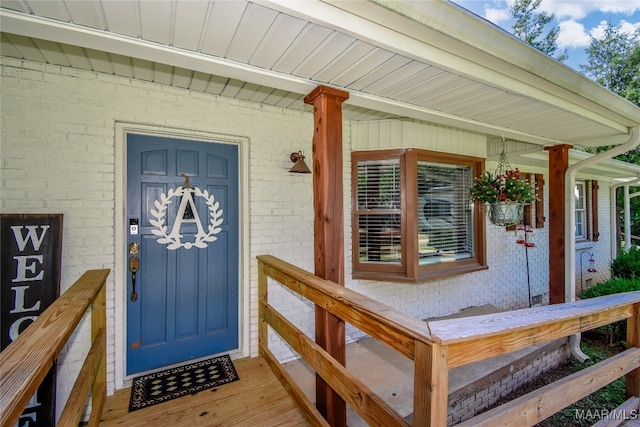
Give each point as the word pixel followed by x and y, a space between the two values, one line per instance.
pixel 161 227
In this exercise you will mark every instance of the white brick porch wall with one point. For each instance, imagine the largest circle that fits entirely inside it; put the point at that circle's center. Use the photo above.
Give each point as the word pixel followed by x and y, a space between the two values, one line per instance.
pixel 58 156
pixel 601 250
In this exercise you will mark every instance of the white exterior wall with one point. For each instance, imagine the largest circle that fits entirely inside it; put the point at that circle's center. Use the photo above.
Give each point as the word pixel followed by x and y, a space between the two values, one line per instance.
pixel 601 249
pixel 59 155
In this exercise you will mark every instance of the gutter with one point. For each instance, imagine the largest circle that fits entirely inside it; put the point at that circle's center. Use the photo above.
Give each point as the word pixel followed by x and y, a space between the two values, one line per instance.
pixel 570 224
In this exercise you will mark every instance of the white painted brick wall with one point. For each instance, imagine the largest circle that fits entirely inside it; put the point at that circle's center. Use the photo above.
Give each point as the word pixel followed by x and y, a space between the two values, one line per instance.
pixel 58 156
pixel 601 250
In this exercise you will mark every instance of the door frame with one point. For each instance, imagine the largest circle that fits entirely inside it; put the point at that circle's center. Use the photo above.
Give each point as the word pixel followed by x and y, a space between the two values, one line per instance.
pixel 120 235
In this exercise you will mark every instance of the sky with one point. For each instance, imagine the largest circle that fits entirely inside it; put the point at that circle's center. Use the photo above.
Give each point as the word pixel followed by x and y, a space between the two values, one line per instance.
pixel 578 20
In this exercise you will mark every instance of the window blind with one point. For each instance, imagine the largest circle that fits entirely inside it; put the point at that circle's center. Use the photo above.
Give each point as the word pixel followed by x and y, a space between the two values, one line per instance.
pixel 378 211
pixel 445 216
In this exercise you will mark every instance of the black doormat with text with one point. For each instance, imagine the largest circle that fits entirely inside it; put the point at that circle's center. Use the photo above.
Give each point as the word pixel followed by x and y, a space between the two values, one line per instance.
pixel 181 381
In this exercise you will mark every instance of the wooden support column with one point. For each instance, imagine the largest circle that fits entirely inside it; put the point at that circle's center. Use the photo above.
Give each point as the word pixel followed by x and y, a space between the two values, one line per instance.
pixel 328 233
pixel 558 164
pixel 632 381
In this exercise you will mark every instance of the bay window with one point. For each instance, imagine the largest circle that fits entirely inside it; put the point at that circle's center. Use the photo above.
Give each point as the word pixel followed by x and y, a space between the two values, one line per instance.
pixel 412 216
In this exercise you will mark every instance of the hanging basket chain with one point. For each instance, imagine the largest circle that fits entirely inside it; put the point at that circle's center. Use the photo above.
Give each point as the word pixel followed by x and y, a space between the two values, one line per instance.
pixel 503 163
pixel 505 212
pixel 503 168
pixel 505 173
pixel 510 214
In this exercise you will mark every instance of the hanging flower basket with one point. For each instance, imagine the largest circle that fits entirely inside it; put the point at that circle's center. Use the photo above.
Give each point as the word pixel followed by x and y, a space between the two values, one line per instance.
pixel 505 214
pixel 504 192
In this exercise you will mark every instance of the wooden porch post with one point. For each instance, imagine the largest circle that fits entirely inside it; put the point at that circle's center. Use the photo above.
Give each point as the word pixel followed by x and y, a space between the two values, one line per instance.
pixel 632 381
pixel 558 164
pixel 328 233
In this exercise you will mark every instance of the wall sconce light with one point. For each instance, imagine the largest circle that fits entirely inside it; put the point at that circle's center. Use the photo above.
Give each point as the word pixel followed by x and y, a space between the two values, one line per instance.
pixel 300 166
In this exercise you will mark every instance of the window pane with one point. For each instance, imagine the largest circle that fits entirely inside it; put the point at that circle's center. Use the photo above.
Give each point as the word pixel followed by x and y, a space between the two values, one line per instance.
pixel 445 216
pixel 380 240
pixel 580 212
pixel 579 224
pixel 579 195
pixel 379 184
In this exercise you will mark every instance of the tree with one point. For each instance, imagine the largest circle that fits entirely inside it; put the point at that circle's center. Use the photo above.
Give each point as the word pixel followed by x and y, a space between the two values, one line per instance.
pixel 529 26
pixel 632 92
pixel 614 61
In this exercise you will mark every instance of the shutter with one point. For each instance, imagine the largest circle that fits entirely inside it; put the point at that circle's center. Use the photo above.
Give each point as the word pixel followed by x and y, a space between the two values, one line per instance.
pixel 595 233
pixel 539 183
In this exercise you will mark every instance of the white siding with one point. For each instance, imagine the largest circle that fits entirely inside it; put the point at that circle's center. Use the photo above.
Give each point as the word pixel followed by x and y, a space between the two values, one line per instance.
pixel 384 134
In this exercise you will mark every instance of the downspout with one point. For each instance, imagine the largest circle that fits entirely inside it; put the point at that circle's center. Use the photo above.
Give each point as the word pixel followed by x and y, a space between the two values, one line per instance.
pixel 570 224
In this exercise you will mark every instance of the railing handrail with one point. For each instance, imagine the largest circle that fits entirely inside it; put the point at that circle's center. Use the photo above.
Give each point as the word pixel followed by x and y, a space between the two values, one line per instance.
pixel 449 331
pixel 26 361
pixel 447 343
pixel 376 319
pixel 495 334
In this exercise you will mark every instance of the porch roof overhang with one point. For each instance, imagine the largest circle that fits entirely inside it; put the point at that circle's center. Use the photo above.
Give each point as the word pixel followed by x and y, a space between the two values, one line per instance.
pixel 536 160
pixel 431 61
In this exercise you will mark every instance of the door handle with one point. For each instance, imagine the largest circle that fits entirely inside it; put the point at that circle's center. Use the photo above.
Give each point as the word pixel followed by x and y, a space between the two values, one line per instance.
pixel 134 266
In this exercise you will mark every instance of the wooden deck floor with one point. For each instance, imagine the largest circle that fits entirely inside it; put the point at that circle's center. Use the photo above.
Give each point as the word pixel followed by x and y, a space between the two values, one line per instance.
pixel 257 399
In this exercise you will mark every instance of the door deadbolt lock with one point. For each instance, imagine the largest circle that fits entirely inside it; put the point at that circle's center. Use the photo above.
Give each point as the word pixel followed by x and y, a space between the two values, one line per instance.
pixel 134 248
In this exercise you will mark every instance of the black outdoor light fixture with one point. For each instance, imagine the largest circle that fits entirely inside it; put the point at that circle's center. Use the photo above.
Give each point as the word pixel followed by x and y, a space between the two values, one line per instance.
pixel 300 166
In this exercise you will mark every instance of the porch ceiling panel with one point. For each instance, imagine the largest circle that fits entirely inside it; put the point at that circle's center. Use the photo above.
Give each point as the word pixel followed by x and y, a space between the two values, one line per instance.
pixel 275 52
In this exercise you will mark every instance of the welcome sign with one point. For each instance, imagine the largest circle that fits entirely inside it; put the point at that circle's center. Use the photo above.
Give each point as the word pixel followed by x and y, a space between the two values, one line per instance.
pixel 30 282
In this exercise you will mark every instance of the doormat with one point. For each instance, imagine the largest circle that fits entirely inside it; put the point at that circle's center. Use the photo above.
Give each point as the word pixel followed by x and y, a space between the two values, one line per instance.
pixel 172 383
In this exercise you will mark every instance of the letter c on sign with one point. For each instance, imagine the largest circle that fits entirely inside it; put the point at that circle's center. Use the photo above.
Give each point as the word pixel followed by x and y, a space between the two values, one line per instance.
pixel 14 329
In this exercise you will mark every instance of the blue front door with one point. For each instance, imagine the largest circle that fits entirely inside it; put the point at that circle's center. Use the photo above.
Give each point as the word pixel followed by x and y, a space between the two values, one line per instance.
pixel 183 227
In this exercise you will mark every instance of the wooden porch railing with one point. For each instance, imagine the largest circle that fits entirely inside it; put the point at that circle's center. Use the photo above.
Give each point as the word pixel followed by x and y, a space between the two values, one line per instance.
pixel 435 347
pixel 26 361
